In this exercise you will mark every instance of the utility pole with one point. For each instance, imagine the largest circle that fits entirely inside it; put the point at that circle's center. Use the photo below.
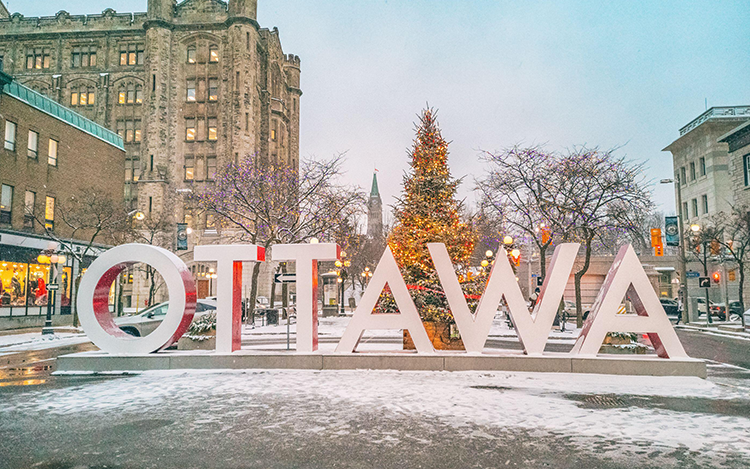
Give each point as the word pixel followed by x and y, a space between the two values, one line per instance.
pixel 683 255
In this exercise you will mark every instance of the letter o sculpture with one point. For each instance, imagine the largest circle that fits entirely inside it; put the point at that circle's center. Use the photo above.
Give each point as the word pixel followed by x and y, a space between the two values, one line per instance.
pixel 93 299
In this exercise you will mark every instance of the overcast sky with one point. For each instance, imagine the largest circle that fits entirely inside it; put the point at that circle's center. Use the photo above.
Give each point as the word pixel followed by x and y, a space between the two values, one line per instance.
pixel 560 73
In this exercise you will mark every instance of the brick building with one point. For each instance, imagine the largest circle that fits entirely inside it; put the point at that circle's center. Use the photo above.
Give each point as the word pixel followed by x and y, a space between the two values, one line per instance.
pixel 189 86
pixel 48 155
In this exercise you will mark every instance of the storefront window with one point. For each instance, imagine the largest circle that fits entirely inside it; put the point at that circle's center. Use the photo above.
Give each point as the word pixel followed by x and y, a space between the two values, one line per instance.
pixel 38 276
pixel 13 283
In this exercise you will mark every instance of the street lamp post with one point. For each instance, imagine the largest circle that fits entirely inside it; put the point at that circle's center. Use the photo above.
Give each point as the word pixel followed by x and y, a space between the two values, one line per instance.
pixel 705 274
pixel 342 276
pixel 49 257
pixel 683 265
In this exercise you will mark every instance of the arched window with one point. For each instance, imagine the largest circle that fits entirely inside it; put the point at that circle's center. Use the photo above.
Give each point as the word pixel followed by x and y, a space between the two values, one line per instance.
pixel 130 93
pixel 82 95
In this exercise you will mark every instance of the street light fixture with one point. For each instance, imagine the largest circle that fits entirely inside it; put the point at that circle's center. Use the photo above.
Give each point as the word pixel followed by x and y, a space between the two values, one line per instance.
pixel 508 240
pixel 695 227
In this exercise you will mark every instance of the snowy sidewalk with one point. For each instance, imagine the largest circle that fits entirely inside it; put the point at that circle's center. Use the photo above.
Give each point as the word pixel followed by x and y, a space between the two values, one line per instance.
pixel 383 419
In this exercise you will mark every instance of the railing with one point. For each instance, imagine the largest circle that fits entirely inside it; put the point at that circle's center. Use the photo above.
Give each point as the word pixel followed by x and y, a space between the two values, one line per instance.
pixel 721 112
pixel 21 310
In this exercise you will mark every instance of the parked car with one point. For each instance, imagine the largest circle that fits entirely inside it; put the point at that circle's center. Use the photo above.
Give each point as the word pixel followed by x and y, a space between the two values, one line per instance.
pixel 747 320
pixel 735 311
pixel 670 306
pixel 717 309
pixel 146 322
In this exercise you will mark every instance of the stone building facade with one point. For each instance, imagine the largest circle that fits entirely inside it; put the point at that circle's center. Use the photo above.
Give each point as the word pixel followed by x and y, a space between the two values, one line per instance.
pixel 710 182
pixel 190 86
pixel 701 162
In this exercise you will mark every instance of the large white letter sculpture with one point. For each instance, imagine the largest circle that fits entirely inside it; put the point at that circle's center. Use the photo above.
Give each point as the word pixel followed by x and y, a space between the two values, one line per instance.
pixel 627 276
pixel 386 272
pixel 93 299
pixel 533 329
pixel 306 257
pixel 229 260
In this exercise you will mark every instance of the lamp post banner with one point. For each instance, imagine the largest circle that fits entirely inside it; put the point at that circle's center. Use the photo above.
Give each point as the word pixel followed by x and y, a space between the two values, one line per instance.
pixel 626 279
pixel 671 231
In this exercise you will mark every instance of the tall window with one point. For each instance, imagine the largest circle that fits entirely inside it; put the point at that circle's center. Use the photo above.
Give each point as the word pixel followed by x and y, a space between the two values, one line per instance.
pixel 29 203
pixel 704 203
pixel 213 129
pixel 33 150
pixel 82 96
pixel 191 90
pixel 190 130
pixel 37 57
pixel 702 166
pixel 213 89
pixel 6 203
pixel 695 207
pixel 131 54
pixel 745 165
pixel 210 168
pixel 683 177
pixel 685 214
pixel 130 94
pixel 213 53
pixel 189 168
pixel 10 135
pixel 49 213
pixel 692 170
pixel 191 54
pixel 129 130
pixel 132 170
pixel 84 56
pixel 52 152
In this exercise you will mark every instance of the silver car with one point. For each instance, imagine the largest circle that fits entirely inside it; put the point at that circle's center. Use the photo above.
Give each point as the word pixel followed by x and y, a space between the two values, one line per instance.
pixel 146 322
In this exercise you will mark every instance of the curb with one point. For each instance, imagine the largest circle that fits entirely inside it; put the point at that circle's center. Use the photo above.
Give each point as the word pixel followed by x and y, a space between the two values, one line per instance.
pixel 733 335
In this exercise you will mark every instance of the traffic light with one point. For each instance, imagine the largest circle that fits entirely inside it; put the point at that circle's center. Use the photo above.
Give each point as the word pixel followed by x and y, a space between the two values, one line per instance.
pixel 715 247
pixel 717 277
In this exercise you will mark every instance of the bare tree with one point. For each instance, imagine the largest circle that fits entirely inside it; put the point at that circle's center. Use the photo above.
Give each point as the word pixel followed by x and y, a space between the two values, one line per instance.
pixel 92 217
pixel 595 193
pixel 732 233
pixel 270 204
pixel 157 228
pixel 519 192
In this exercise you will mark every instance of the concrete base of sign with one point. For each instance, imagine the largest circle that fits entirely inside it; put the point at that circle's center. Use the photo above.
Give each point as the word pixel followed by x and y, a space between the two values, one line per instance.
pixel 443 361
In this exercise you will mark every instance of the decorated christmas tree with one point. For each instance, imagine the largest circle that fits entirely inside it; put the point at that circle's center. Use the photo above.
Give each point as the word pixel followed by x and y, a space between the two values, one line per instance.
pixel 428 212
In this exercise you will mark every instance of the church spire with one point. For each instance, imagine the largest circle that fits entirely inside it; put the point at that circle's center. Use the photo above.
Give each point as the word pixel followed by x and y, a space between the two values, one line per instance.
pixel 375 210
pixel 374 192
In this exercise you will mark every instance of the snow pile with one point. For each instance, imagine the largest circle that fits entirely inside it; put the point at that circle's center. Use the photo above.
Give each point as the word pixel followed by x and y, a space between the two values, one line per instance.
pixel 36 341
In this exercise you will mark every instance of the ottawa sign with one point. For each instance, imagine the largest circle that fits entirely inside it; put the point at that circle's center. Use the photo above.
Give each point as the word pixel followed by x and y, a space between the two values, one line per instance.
pixel 625 277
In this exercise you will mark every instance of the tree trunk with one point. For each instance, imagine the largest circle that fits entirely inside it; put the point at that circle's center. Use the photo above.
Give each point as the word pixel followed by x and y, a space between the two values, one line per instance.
pixel 577 281
pixel 254 288
pixel 741 266
pixel 543 260
pixel 74 299
pixel 272 301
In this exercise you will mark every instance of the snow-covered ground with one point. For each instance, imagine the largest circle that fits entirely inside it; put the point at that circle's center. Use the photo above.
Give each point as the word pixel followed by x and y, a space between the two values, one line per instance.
pixel 14 343
pixel 328 401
